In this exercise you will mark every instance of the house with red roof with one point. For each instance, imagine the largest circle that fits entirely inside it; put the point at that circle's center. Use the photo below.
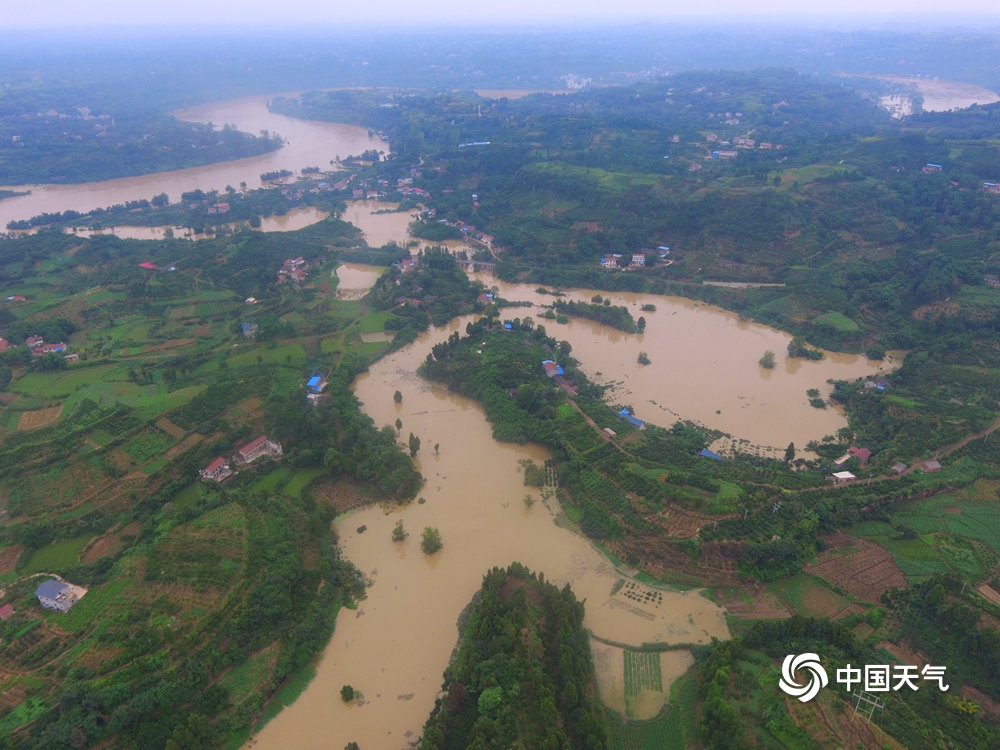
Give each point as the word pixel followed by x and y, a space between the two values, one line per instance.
pixel 862 454
pixel 262 446
pixel 216 471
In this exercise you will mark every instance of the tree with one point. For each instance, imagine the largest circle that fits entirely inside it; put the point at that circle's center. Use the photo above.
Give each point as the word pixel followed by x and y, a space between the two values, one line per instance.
pixel 397 397
pixel 398 534
pixel 767 360
pixel 347 693
pixel 643 358
pixel 790 453
pixel 641 324
pixel 430 540
pixel 414 443
pixel 399 424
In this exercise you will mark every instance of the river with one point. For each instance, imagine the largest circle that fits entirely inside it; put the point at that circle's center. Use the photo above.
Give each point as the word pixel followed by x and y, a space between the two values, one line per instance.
pixel 394 648
pixel 309 143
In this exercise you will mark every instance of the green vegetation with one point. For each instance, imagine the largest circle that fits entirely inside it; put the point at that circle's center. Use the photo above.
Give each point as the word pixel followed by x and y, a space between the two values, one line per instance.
pixel 430 540
pixel 767 360
pixel 206 605
pixel 205 602
pixel 532 690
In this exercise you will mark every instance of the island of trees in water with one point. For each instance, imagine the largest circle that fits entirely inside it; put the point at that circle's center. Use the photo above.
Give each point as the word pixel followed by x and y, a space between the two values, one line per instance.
pixel 523 675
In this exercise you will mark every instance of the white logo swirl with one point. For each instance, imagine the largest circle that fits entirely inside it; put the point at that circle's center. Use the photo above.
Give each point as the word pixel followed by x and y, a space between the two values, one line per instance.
pixel 817 678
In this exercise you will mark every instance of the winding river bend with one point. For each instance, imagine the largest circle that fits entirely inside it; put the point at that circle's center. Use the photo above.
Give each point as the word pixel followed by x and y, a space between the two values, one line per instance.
pixel 394 648
pixel 308 144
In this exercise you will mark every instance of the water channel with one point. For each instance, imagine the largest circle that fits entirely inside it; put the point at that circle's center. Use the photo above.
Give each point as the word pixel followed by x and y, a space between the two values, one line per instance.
pixel 394 648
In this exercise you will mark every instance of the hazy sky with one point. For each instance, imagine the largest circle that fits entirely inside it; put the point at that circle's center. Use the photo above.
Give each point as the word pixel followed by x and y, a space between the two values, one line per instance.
pixel 230 13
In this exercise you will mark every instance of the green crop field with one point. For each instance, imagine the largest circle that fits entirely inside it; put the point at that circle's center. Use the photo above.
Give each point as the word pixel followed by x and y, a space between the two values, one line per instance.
pixel 662 733
pixel 147 445
pixel 61 383
pixel 809 596
pixel 374 323
pixel 292 354
pixel 299 480
pixel 27 711
pixel 838 321
pixel 915 557
pixel 249 675
pixel 642 672
pixel 58 556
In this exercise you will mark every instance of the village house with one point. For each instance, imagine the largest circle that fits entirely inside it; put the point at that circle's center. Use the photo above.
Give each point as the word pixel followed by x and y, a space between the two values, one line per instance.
pixel 862 454
pixel 253 450
pixel 4 345
pixel 638 260
pixel 631 419
pixel 248 329
pixel 56 595
pixel 724 153
pixel 558 376
pixel 840 477
pixel 6 612
pixel 33 342
pixel 930 168
pixel 216 471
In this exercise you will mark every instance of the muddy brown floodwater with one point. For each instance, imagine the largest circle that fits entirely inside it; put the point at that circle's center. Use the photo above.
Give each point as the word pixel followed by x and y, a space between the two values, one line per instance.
pixel 704 367
pixel 309 144
pixel 396 646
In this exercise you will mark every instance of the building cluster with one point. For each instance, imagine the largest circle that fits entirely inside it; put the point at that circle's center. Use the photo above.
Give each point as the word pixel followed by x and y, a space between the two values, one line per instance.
pixel 38 347
pixel 639 260
pixel 221 468
pixel 295 270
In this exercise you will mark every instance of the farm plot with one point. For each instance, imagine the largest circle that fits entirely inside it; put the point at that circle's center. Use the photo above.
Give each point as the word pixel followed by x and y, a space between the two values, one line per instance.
pixel 860 567
pixel 9 557
pixel 751 602
pixel 810 597
pixel 642 672
pixel 664 731
pixel 33 420
pixel 248 676
pixel 59 488
pixel 58 556
pixel 147 445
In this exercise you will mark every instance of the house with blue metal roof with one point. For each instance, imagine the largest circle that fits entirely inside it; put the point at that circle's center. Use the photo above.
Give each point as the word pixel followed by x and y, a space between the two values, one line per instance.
pixel 57 595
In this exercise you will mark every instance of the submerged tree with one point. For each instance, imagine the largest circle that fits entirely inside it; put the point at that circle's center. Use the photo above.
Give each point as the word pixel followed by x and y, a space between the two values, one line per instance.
pixel 398 534
pixel 430 540
pixel 767 360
